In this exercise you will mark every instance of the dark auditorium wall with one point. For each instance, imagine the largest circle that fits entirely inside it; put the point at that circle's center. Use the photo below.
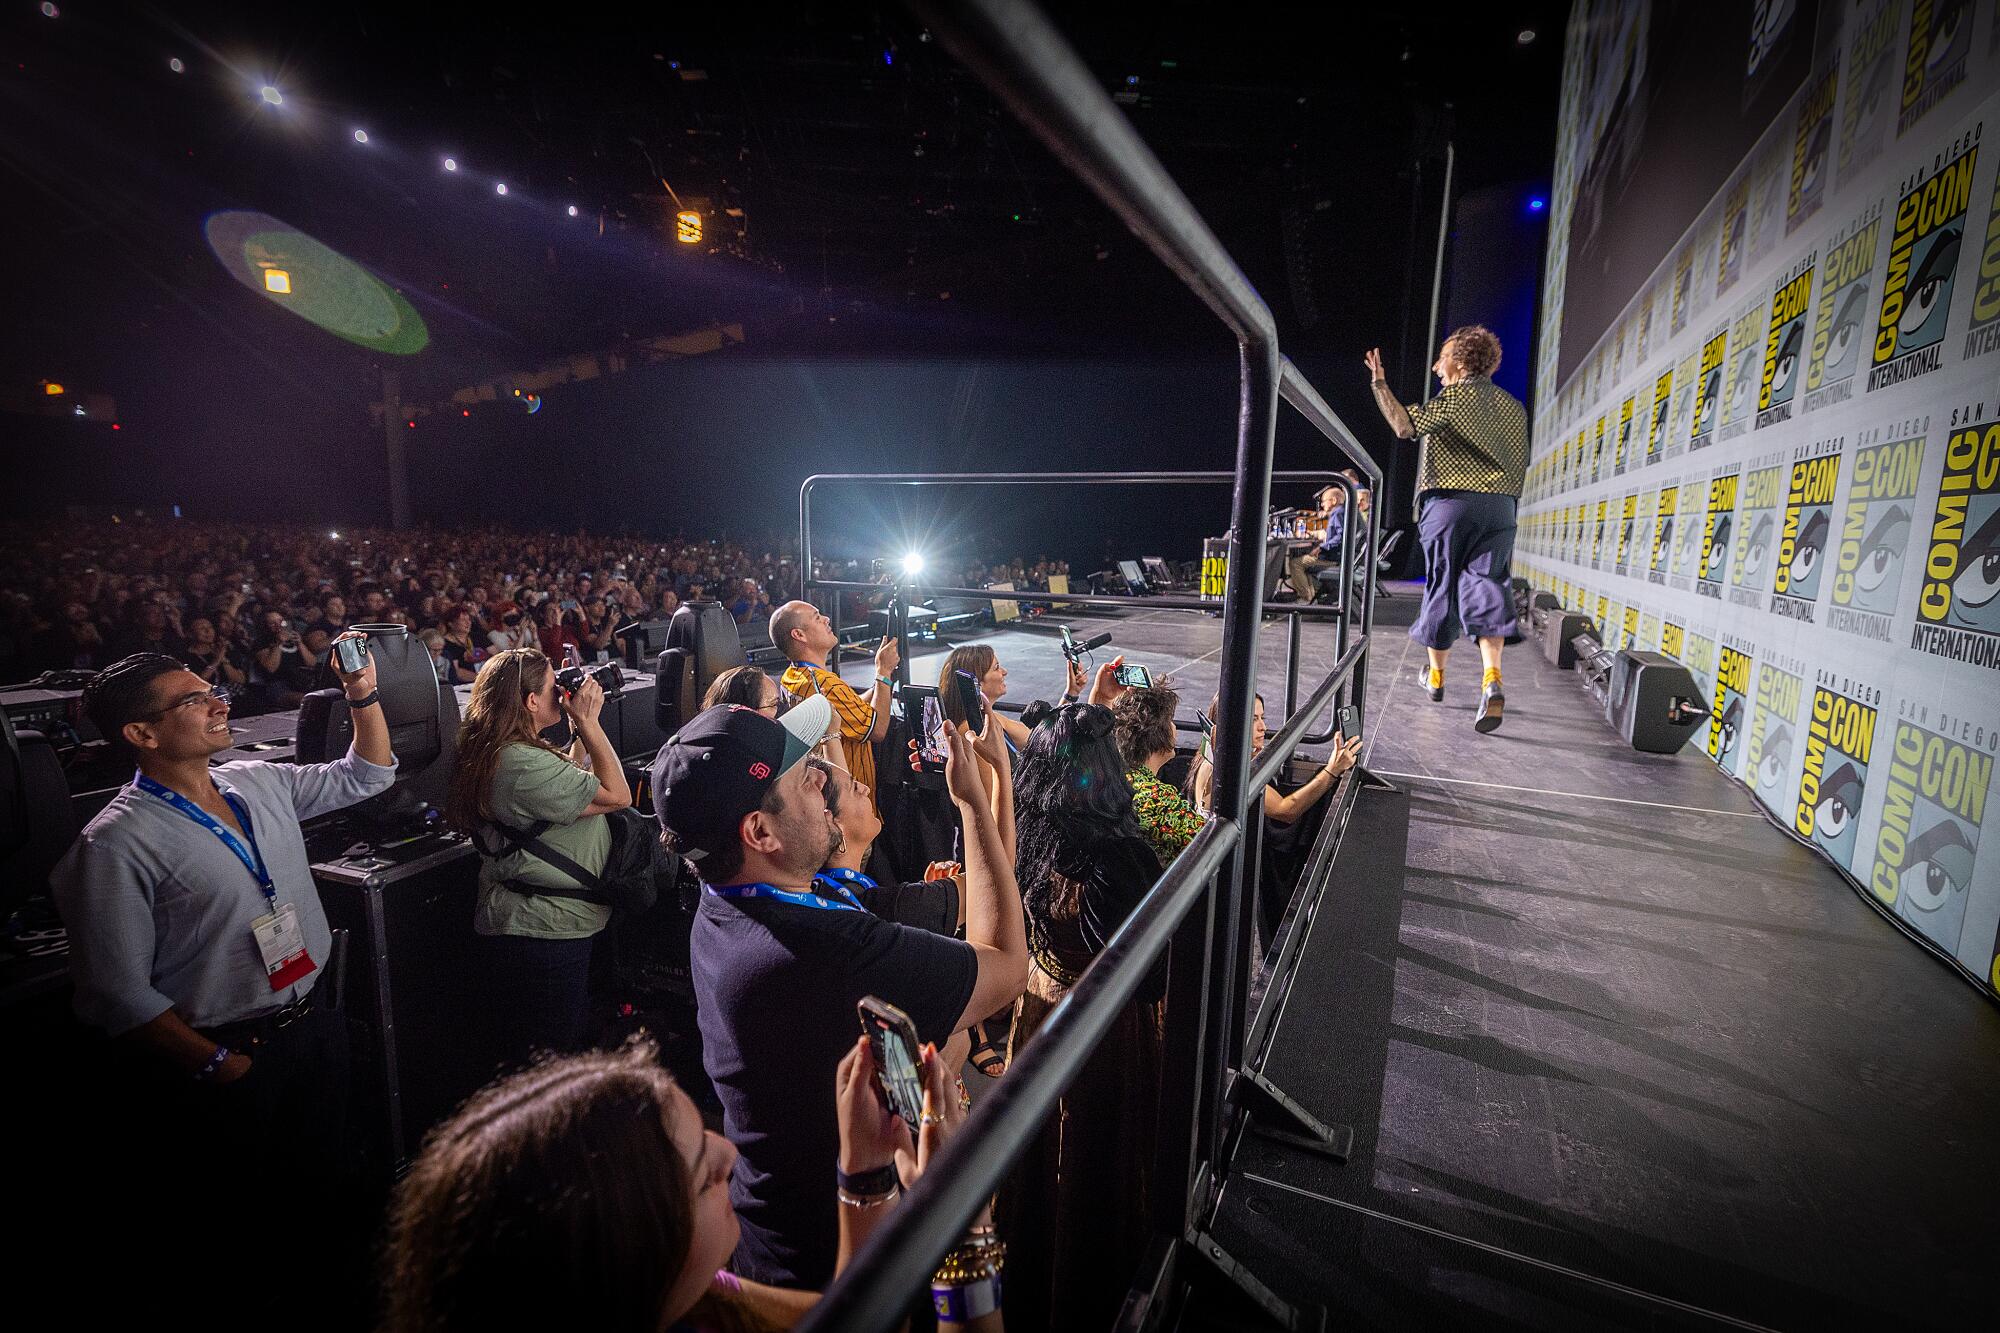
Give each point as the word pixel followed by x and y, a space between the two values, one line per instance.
pixel 1767 437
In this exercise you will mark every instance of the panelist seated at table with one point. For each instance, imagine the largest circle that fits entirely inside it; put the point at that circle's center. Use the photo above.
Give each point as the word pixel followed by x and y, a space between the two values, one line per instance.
pixel 1303 568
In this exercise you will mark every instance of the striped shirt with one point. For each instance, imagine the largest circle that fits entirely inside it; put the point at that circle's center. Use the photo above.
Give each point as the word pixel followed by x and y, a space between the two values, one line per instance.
pixel 856 715
pixel 1475 438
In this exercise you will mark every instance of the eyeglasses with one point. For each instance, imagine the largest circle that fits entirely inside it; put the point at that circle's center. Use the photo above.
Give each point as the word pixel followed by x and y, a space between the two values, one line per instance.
pixel 218 694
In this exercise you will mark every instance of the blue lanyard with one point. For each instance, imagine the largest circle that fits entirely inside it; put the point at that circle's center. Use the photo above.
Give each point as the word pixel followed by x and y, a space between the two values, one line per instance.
pixel 843 901
pixel 251 857
pixel 841 880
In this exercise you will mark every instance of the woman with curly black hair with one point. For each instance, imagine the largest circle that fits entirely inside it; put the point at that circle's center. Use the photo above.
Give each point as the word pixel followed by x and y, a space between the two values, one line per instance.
pixel 1075 1207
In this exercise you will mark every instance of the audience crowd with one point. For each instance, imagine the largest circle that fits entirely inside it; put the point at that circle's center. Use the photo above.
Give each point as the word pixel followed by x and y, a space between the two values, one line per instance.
pixel 584 1185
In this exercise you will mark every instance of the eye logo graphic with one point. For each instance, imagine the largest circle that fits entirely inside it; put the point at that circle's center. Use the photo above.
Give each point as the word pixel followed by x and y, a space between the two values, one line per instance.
pixel 1934 803
pixel 1940 37
pixel 1923 265
pixel 1732 684
pixel 1803 538
pixel 1865 112
pixel 1757 538
pixel 1958 611
pixel 1663 531
pixel 1767 759
pixel 1784 347
pixel 1874 534
pixel 1811 142
pixel 1840 735
pixel 1708 396
pixel 1838 331
pixel 1716 531
pixel 1663 389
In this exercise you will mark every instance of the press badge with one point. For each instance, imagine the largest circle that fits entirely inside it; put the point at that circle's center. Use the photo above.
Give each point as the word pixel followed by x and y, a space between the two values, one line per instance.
pixel 283 947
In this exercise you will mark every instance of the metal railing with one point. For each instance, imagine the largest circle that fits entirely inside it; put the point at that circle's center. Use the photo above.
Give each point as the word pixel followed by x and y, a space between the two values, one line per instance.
pixel 1012 49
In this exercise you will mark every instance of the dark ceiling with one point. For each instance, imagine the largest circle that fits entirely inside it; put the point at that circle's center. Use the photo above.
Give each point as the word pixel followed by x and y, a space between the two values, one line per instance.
pixel 861 192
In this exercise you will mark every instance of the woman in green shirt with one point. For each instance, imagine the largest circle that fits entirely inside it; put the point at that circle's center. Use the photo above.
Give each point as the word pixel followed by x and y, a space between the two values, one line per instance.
pixel 535 935
pixel 1145 721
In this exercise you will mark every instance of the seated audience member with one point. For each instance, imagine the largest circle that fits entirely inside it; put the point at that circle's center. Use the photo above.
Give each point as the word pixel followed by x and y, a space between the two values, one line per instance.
pixel 461 651
pixel 752 687
pixel 751 604
pixel 333 617
pixel 781 961
pixel 936 905
pixel 807 639
pixel 210 656
pixel 1280 807
pixel 979 661
pixel 72 643
pixel 1146 740
pixel 535 934
pixel 197 943
pixel 585 1192
pixel 597 627
pixel 150 632
pixel 1075 1206
pixel 281 667
pixel 433 642
pixel 557 631
pixel 514 631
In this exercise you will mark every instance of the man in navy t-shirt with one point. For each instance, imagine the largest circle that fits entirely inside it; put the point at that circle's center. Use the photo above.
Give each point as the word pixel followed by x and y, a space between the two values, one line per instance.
pixel 780 961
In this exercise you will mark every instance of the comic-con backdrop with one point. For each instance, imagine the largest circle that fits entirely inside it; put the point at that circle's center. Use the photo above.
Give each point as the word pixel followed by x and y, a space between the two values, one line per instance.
pixel 1767 418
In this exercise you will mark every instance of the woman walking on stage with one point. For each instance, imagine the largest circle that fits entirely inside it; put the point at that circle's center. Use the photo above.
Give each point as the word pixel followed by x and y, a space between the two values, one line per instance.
pixel 1469 475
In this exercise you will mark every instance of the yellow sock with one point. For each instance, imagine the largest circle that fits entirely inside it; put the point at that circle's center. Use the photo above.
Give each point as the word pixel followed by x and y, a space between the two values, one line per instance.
pixel 1492 677
pixel 1436 678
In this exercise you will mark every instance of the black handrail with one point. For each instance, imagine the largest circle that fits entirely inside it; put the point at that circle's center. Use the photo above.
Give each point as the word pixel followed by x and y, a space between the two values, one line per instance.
pixel 1011 47
pixel 899 1258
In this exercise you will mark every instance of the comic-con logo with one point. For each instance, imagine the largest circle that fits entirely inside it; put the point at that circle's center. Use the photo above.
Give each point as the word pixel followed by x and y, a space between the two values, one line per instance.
pixel 1840 735
pixel 1932 809
pixel 1872 65
pixel 1758 532
pixel 1958 614
pixel 1767 759
pixel 1663 531
pixel 1811 143
pixel 1708 390
pixel 1716 532
pixel 1624 431
pixel 1597 538
pixel 1839 322
pixel 1784 347
pixel 1940 37
pixel 1735 234
pixel 1630 517
pixel 1802 539
pixel 1663 389
pixel 1923 262
pixel 1739 400
pixel 1732 688
pixel 1984 334
pixel 1875 531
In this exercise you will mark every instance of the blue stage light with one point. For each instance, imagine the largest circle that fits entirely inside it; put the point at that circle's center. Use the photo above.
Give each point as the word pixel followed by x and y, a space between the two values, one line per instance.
pixel 1537 204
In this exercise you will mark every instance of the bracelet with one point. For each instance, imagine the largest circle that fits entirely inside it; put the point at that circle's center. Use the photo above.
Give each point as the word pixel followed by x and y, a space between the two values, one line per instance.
pixel 856 1201
pixel 970 1261
pixel 961 1304
pixel 1372 383
pixel 215 1062
pixel 884 680
pixel 869 1184
pixel 374 697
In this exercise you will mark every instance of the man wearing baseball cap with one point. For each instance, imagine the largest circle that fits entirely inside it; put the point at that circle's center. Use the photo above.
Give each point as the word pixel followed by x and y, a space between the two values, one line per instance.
pixel 780 961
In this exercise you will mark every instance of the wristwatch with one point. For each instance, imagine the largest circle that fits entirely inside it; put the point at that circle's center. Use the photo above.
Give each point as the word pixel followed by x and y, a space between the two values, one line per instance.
pixel 374 697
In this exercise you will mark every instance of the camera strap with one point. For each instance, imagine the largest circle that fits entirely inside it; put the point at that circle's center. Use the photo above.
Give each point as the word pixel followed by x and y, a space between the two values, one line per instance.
pixel 530 840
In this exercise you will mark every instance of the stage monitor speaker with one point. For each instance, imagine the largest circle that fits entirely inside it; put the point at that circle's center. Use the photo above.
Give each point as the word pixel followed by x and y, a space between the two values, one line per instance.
pixel 1653 701
pixel 1557 629
pixel 702 643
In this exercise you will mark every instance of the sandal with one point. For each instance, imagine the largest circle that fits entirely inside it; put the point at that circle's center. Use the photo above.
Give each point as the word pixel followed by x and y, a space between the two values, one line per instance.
pixel 989 1043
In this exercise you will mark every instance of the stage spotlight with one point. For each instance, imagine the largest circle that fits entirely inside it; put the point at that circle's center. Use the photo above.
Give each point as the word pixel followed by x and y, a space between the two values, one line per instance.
pixel 1537 204
pixel 176 66
pixel 500 187
pixel 284 265
pixel 79 407
pixel 1525 36
pixel 687 227
pixel 271 96
pixel 913 563
pixel 451 164
pixel 52 389
pixel 49 11
pixel 361 136
pixel 334 535
pixel 572 210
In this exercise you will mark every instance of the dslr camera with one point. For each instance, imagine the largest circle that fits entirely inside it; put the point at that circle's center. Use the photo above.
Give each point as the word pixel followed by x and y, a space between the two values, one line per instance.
pixel 607 674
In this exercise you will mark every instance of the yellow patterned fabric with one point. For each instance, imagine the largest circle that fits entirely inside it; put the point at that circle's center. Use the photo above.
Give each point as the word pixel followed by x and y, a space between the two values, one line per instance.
pixel 1475 438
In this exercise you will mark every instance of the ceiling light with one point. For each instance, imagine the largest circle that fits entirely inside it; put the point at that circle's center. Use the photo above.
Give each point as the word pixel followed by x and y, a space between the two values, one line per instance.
pixel 361 136
pixel 271 96
pixel 572 210
pixel 176 66
pixel 500 187
pixel 1524 37
pixel 451 164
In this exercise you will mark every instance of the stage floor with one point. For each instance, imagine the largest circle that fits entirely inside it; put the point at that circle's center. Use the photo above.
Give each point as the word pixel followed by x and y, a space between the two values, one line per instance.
pixel 1613 1044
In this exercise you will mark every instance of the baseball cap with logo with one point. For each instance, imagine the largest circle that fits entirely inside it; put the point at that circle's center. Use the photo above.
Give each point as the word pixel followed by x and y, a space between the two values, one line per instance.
pixel 718 768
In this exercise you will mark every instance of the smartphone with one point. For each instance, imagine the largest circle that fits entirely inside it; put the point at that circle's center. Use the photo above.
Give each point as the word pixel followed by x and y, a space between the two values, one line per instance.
pixel 898 1074
pixel 969 699
pixel 1136 676
pixel 1205 722
pixel 930 727
pixel 571 656
pixel 1349 721
pixel 353 653
pixel 1069 643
